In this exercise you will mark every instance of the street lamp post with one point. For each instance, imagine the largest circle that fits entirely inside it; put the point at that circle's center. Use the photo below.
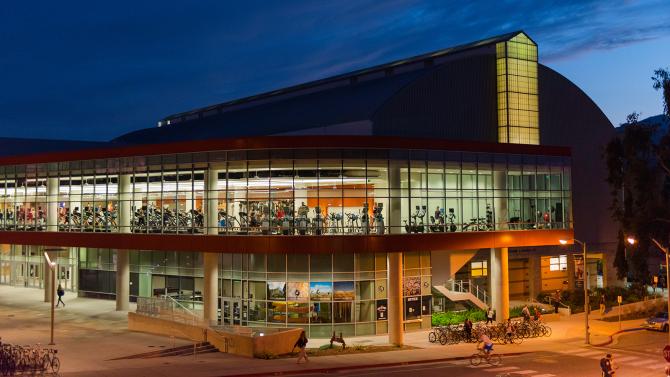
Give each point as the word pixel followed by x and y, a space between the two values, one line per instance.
pixel 52 266
pixel 586 290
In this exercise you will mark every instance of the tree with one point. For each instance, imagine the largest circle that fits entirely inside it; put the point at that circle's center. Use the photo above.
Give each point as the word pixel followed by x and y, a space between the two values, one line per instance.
pixel 639 197
pixel 639 178
pixel 620 262
pixel 661 81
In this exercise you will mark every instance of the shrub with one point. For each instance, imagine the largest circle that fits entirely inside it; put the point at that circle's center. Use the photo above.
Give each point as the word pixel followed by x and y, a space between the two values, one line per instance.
pixel 453 318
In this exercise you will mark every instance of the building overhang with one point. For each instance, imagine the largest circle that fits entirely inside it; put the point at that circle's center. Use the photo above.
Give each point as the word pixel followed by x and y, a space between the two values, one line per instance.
pixel 285 142
pixel 292 244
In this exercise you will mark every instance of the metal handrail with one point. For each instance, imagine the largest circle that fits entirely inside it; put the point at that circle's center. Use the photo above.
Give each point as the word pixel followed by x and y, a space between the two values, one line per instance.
pixel 168 308
pixel 466 286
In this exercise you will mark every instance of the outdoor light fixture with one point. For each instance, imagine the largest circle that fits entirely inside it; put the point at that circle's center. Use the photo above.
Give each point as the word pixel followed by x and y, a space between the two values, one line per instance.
pixel 586 291
pixel 52 266
pixel 631 240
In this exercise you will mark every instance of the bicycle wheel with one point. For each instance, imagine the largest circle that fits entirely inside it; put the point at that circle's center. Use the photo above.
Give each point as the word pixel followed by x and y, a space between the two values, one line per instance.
pixel 494 359
pixel 475 359
pixel 443 339
pixel 55 365
pixel 432 337
pixel 546 331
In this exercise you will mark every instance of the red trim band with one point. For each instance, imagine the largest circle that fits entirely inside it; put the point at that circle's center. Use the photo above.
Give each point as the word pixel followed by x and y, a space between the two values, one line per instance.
pixel 286 142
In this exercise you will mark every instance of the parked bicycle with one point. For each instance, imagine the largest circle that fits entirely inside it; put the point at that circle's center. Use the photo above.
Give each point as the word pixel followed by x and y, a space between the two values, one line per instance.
pixel 28 359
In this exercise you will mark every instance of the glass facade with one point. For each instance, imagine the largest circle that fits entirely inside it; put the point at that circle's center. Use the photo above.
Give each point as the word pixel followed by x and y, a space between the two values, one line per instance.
pixel 322 293
pixel 23 266
pixel 518 113
pixel 290 192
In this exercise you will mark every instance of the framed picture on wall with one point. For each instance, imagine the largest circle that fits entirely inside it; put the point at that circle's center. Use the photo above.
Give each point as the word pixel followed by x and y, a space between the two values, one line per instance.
pixel 297 291
pixel 276 290
pixel 320 291
pixel 412 286
pixel 344 291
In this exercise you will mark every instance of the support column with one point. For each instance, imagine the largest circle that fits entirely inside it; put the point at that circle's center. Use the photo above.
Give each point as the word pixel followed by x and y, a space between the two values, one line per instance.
pixel 499 270
pixel 125 204
pixel 122 279
pixel 394 294
pixel 534 275
pixel 47 280
pixel 210 292
pixel 52 206
pixel 212 207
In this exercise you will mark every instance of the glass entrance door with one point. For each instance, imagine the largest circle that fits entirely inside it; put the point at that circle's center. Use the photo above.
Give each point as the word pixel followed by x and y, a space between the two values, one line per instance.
pixel 5 272
pixel 34 275
pixel 65 278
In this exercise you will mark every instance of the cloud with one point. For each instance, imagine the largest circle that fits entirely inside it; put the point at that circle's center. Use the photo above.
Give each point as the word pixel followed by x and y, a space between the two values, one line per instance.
pixel 94 70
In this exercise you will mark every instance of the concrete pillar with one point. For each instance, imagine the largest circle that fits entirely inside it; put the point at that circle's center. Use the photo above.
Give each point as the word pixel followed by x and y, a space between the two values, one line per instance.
pixel 499 272
pixel 122 279
pixel 52 206
pixel 47 280
pixel 212 207
pixel 534 275
pixel 394 211
pixel 395 305
pixel 125 204
pixel 210 292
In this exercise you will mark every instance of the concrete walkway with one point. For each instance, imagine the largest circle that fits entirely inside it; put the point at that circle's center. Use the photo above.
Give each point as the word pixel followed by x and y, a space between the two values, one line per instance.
pixel 89 333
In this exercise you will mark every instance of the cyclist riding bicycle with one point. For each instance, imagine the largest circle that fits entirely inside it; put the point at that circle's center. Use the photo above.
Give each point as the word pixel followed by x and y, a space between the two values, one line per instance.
pixel 488 344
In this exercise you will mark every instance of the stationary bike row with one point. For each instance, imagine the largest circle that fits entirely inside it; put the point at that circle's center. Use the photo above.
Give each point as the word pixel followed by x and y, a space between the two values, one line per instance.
pixel 439 222
pixel 289 222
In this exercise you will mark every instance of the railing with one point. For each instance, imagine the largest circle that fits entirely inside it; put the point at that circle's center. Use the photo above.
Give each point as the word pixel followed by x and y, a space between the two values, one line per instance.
pixel 165 307
pixel 466 286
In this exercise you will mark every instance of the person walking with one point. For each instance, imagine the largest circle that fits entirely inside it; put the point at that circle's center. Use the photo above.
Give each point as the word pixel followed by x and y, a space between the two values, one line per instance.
pixel 301 343
pixel 60 292
pixel 467 326
pixel 606 366
pixel 489 316
pixel 602 304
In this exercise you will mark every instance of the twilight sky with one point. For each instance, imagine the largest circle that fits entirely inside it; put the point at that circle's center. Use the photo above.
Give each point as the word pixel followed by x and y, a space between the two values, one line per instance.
pixel 94 70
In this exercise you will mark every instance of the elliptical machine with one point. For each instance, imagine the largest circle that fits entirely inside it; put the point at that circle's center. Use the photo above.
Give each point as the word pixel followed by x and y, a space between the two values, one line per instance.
pixel 365 219
pixel 378 214
pixel 302 220
pixel 452 218
pixel 318 221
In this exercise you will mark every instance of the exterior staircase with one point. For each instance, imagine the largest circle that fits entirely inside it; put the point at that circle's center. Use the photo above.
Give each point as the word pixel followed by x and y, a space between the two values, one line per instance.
pixel 190 350
pixel 464 290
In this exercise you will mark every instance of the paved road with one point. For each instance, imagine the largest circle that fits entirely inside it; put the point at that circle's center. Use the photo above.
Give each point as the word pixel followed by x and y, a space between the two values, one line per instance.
pixel 636 354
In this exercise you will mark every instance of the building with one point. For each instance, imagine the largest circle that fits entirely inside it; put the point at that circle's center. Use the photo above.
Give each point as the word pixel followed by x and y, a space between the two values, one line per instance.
pixel 346 204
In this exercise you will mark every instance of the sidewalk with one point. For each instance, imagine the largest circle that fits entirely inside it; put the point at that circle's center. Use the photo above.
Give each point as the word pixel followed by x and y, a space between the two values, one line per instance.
pixel 90 332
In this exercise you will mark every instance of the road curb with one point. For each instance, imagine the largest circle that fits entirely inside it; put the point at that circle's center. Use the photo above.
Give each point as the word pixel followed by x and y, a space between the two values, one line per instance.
pixel 367 366
pixel 611 336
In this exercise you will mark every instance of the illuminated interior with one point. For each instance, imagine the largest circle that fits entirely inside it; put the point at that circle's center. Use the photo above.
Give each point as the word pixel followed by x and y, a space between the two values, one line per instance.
pixel 516 67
